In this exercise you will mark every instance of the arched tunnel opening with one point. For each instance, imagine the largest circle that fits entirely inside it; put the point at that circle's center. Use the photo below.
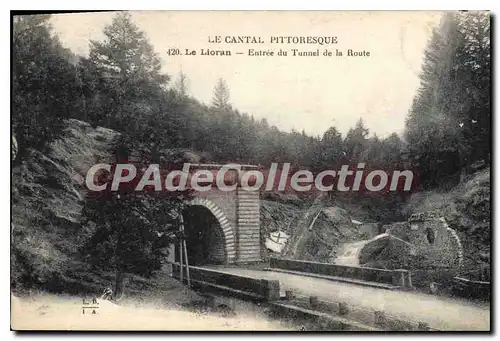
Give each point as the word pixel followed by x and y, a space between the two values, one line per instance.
pixel 205 242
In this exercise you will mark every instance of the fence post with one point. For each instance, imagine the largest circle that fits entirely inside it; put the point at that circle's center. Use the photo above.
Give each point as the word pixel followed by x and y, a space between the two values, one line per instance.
pixel 175 270
pixel 410 285
pixel 343 309
pixel 271 289
pixel 380 319
pixel 313 301
pixel 402 278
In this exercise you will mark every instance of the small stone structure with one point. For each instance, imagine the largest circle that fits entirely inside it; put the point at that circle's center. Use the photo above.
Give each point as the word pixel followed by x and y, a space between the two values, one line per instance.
pixel 424 241
pixel 435 242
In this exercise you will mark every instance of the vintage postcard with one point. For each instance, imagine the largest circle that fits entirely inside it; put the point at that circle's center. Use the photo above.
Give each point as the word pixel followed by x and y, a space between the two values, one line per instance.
pixel 251 170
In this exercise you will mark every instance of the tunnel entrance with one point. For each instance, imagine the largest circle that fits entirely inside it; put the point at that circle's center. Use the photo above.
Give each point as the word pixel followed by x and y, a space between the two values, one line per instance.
pixel 205 240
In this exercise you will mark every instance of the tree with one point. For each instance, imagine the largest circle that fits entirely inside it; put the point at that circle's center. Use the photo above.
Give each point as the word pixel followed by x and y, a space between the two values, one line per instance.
pixel 220 98
pixel 127 53
pixel 392 148
pixel 355 141
pixel 43 82
pixel 475 71
pixel 123 79
pixel 134 228
pixel 372 152
pixel 447 127
pixel 129 75
pixel 332 149
pixel 132 234
pixel 181 86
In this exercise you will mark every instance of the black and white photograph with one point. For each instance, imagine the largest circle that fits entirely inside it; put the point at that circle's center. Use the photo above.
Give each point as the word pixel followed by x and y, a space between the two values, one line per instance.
pixel 293 171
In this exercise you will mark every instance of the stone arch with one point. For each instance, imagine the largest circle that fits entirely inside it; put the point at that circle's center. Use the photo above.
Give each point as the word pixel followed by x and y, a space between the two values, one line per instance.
pixel 224 223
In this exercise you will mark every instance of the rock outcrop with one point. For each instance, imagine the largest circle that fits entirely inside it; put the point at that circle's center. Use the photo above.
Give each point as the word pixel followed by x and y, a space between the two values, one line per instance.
pixel 47 200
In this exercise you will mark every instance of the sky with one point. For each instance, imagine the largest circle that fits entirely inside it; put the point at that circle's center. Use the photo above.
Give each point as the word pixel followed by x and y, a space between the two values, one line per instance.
pixel 301 93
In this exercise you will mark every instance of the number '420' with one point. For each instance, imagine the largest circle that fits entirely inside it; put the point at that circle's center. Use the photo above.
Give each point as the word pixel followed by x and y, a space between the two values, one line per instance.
pixel 173 52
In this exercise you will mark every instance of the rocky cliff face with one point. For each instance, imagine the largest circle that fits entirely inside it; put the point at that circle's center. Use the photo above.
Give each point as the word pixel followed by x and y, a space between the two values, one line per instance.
pixel 318 241
pixel 47 200
pixel 332 229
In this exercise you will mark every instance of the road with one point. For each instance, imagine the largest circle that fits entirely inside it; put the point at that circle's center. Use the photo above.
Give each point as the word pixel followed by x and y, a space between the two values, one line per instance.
pixel 440 312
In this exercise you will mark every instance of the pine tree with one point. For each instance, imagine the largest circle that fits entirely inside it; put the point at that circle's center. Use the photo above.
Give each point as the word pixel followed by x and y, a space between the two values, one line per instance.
pixel 332 149
pixel 450 114
pixel 44 88
pixel 355 141
pixel 181 85
pixel 124 80
pixel 129 74
pixel 220 98
pixel 126 53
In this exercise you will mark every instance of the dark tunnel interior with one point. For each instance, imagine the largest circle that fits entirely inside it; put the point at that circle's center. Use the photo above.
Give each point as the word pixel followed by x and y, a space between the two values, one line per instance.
pixel 205 242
